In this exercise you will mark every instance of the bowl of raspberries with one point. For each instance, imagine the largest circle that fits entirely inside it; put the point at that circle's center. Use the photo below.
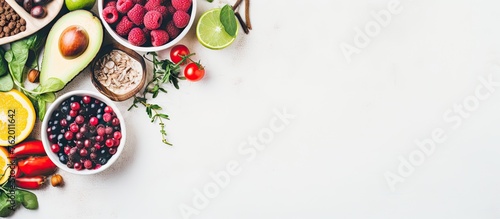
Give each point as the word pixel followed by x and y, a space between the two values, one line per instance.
pixel 147 25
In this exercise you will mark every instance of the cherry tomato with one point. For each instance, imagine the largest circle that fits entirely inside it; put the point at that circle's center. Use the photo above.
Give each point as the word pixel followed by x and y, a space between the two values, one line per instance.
pixel 194 72
pixel 177 52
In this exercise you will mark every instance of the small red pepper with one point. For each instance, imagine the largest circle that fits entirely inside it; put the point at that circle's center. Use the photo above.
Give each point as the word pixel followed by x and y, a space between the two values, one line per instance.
pixel 35 166
pixel 30 182
pixel 28 148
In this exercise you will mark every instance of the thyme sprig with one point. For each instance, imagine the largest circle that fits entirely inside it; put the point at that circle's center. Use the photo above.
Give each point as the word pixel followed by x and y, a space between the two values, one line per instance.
pixel 164 72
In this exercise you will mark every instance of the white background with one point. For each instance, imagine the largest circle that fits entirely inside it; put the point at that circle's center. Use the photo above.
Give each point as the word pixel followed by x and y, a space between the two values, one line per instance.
pixel 353 121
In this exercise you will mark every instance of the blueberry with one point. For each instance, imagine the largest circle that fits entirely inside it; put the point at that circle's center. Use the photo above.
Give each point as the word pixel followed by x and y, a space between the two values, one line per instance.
pixel 63 159
pixel 65 109
pixel 102 160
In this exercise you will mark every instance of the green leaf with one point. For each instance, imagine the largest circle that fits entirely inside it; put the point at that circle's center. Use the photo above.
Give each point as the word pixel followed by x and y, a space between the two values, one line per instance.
pixel 28 199
pixel 4 68
pixel 155 107
pixel 163 116
pixel 6 83
pixel 52 85
pixel 7 205
pixel 228 20
pixel 48 97
pixel 42 108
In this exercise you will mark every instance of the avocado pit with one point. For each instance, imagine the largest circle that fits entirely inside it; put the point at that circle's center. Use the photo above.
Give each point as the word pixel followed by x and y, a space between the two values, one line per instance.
pixel 73 41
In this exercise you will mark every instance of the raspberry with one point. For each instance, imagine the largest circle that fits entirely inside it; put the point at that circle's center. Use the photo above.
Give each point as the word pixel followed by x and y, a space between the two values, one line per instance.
pixel 141 2
pixel 136 36
pixel 163 11
pixel 172 30
pixel 159 37
pixel 110 14
pixel 181 19
pixel 110 3
pixel 124 6
pixel 124 26
pixel 182 5
pixel 152 20
pixel 136 14
pixel 152 4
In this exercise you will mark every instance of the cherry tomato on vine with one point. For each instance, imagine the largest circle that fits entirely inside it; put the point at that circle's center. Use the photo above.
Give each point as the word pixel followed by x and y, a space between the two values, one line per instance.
pixel 194 72
pixel 177 52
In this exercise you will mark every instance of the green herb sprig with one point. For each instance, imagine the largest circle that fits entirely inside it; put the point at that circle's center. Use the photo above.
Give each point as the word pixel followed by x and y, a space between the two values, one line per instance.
pixel 164 72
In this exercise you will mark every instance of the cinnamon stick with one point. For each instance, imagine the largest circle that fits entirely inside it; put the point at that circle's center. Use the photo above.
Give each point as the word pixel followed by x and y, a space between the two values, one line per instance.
pixel 242 23
pixel 235 6
pixel 247 14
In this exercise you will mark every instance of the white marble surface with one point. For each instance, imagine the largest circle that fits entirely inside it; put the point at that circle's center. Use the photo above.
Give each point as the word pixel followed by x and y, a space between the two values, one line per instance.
pixel 353 121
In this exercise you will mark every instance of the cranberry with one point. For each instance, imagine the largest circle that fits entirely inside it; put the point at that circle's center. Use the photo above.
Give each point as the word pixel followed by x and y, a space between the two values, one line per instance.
pixel 107 117
pixel 93 156
pixel 97 166
pixel 100 131
pixel 73 113
pixel 117 135
pixel 112 150
pixel 79 144
pixel 49 130
pixel 78 136
pixel 63 122
pixel 67 149
pixel 93 121
pixel 87 143
pixel 75 106
pixel 99 138
pixel 86 99
pixel 79 119
pixel 73 127
pixel 115 122
pixel 116 142
pixel 83 129
pixel 109 130
pixel 88 164
pixel 78 166
pixel 108 109
pixel 55 148
pixel 110 142
pixel 68 135
pixel 83 152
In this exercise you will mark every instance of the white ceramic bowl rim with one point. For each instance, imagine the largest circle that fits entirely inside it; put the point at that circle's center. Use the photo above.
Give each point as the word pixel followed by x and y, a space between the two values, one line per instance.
pixel 46 143
pixel 125 42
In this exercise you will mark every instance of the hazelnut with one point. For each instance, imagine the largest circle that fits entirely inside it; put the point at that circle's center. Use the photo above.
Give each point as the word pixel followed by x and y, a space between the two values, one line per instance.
pixel 56 180
pixel 33 75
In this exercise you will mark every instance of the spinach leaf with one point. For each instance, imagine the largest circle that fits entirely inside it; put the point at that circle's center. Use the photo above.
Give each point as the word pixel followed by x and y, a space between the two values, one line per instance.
pixel 6 205
pixel 6 83
pixel 28 199
pixel 228 20
pixel 16 58
pixel 3 65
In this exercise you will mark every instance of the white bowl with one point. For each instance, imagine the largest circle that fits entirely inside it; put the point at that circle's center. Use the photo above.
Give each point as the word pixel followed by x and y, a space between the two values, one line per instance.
pixel 125 42
pixel 45 139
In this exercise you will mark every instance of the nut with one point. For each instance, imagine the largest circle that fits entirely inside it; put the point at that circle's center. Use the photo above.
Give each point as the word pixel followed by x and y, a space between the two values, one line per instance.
pixel 56 180
pixel 33 75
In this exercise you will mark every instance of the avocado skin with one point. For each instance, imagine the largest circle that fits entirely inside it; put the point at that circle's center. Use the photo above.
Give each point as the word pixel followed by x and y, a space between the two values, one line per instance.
pixel 54 64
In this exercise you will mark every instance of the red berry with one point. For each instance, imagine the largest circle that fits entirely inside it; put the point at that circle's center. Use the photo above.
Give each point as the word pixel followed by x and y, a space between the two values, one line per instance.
pixel 87 143
pixel 67 149
pixel 108 109
pixel 68 135
pixel 73 127
pixel 73 113
pixel 97 146
pixel 79 119
pixel 86 99
pixel 99 138
pixel 124 26
pixel 55 148
pixel 181 19
pixel 93 121
pixel 152 20
pixel 63 122
pixel 75 106
pixel 78 166
pixel 182 5
pixel 112 150
pixel 115 122
pixel 107 117
pixel 123 6
pixel 110 142
pixel 100 131
pixel 117 135
pixel 136 14
pixel 159 37
pixel 110 14
pixel 83 152
pixel 88 164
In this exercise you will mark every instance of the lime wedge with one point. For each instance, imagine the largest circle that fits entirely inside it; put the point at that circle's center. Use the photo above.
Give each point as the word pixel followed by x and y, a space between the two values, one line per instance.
pixel 210 31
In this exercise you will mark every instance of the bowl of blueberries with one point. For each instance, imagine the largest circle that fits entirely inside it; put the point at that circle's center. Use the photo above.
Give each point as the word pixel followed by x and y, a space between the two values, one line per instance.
pixel 83 132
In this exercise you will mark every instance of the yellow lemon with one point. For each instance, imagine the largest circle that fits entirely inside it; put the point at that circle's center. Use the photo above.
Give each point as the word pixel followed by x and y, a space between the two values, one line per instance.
pixel 17 117
pixel 4 162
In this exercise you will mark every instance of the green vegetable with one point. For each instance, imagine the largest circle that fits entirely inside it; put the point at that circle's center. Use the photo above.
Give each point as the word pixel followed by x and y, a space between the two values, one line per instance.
pixel 228 20
pixel 3 65
pixel 27 199
pixel 164 71
pixel 7 205
pixel 6 83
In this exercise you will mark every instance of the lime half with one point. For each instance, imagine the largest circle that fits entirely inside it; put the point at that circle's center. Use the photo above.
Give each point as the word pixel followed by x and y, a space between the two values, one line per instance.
pixel 210 31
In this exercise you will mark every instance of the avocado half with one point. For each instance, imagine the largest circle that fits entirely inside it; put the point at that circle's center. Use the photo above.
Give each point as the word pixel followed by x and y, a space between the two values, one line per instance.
pixel 54 64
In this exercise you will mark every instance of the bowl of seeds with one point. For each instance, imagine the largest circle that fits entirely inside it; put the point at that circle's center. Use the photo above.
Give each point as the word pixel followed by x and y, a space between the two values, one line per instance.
pixel 118 72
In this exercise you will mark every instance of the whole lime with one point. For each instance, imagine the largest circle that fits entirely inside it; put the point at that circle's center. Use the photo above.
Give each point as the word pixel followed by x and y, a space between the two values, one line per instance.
pixel 79 4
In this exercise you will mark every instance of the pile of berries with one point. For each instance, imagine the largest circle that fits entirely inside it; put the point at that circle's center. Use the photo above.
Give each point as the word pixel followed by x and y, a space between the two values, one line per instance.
pixel 147 22
pixel 84 132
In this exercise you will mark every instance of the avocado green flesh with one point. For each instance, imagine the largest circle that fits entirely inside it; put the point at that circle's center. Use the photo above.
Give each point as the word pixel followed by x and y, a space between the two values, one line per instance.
pixel 54 64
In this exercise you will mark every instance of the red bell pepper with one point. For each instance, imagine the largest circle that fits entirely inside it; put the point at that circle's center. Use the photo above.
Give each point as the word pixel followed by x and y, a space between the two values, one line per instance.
pixel 27 148
pixel 30 182
pixel 36 166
